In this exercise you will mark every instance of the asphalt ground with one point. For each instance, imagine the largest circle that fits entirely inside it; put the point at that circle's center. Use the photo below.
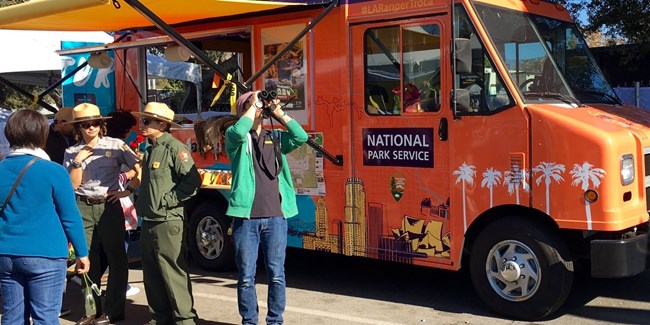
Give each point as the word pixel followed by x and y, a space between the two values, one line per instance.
pixel 330 289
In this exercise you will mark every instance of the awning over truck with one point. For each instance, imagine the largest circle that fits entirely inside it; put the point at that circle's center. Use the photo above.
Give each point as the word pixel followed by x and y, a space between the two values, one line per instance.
pixel 115 15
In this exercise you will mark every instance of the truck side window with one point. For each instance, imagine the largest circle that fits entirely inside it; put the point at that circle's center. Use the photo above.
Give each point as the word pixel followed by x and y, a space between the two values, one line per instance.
pixel 421 66
pixel 402 69
pixel 486 88
pixel 382 70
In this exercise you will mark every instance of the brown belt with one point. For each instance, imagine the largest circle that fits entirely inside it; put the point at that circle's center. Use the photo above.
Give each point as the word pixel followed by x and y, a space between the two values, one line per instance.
pixel 92 200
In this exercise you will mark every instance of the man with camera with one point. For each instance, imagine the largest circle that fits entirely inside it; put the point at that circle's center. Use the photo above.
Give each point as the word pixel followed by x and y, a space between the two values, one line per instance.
pixel 261 200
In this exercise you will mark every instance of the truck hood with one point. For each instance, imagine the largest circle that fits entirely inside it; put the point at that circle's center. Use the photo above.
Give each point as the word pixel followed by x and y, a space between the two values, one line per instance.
pixel 637 120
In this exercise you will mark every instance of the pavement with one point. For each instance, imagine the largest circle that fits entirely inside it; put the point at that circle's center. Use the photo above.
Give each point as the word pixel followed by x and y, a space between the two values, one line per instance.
pixel 330 289
pixel 211 311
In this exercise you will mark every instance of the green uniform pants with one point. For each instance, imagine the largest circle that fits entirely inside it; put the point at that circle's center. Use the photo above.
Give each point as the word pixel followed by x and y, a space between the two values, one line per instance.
pixel 104 225
pixel 164 267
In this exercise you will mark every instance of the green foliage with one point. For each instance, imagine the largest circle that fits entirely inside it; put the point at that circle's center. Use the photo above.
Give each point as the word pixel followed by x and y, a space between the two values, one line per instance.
pixel 7 3
pixel 628 19
pixel 11 99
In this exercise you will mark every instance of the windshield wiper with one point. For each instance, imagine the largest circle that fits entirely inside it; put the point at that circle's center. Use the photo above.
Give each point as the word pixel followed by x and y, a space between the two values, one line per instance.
pixel 600 93
pixel 567 99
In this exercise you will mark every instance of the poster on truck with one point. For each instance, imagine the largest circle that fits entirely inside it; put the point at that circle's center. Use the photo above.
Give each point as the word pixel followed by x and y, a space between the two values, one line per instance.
pixel 89 85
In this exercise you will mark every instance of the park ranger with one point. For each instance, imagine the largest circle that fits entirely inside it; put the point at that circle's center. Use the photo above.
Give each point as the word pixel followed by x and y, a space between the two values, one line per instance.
pixel 94 164
pixel 169 178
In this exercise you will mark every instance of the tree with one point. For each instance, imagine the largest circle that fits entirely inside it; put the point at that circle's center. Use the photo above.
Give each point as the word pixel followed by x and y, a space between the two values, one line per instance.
pixel 614 18
pixel 549 172
pixel 585 175
pixel 491 178
pixel 466 174
pixel 6 3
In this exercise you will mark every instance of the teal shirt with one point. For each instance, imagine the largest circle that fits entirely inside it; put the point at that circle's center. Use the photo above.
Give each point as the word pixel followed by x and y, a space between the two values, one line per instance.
pixel 42 215
pixel 240 153
pixel 169 177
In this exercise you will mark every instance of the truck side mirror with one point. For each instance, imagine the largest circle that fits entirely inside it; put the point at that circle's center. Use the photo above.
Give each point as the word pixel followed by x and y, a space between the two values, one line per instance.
pixel 463 52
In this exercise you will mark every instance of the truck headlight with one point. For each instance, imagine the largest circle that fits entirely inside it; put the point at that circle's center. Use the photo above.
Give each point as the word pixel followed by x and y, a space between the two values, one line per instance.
pixel 627 169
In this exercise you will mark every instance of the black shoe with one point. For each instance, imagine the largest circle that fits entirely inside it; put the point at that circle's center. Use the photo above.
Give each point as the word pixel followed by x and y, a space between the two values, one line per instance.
pixel 106 320
pixel 86 320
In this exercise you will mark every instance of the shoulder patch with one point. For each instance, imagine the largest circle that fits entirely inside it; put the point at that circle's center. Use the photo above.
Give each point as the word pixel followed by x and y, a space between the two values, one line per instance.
pixel 184 156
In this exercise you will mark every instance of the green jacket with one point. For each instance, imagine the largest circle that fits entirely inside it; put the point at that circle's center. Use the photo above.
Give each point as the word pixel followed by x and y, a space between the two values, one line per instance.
pixel 169 177
pixel 240 153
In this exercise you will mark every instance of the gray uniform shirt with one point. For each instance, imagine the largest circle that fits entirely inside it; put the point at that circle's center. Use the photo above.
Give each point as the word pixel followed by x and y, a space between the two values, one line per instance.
pixel 101 170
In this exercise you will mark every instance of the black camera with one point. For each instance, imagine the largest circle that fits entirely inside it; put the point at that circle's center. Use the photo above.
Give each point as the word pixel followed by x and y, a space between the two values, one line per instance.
pixel 267 95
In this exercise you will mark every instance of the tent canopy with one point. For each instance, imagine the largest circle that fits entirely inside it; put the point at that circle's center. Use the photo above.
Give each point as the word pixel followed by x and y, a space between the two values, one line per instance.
pixel 33 59
pixel 109 15
pixel 162 68
pixel 36 50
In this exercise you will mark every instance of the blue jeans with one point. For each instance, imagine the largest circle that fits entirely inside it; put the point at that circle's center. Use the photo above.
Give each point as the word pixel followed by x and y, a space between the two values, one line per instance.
pixel 271 234
pixel 31 286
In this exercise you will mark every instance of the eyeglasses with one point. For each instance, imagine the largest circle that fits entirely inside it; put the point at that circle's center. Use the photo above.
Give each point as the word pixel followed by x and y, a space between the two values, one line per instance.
pixel 86 125
pixel 146 121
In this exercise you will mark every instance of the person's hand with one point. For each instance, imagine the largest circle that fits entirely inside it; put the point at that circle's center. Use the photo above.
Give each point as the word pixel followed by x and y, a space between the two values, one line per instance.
pixel 84 153
pixel 83 265
pixel 114 196
pixel 276 108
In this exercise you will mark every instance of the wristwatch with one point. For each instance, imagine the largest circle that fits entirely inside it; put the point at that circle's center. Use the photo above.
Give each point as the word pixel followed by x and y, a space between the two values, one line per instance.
pixel 76 164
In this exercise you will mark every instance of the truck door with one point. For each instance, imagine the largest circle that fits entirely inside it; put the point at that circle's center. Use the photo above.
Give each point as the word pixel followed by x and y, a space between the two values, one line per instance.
pixel 398 197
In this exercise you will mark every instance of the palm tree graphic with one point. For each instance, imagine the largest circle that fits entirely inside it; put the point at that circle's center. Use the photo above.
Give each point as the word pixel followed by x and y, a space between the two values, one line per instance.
pixel 465 174
pixel 515 177
pixel 491 178
pixel 549 172
pixel 583 175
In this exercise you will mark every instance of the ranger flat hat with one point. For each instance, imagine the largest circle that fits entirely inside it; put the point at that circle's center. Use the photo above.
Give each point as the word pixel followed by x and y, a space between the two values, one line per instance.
pixel 64 115
pixel 86 112
pixel 158 111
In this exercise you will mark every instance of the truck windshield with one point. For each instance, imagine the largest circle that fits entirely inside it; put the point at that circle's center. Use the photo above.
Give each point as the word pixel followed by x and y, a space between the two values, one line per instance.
pixel 547 58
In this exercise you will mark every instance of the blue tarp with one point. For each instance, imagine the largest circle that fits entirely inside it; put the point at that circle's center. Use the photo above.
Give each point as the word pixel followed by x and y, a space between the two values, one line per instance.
pixel 628 96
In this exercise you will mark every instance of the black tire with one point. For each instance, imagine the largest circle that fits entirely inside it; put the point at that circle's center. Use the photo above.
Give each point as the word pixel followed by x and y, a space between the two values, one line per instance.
pixel 210 244
pixel 521 269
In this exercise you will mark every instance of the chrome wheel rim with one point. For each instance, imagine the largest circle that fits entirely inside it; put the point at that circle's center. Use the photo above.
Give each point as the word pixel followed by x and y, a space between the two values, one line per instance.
pixel 513 270
pixel 209 238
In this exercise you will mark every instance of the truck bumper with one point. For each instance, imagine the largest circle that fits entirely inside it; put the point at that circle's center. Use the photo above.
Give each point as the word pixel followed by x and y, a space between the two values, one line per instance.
pixel 619 258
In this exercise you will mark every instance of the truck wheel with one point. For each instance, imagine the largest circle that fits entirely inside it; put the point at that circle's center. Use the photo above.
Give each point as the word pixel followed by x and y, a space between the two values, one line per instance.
pixel 210 245
pixel 521 269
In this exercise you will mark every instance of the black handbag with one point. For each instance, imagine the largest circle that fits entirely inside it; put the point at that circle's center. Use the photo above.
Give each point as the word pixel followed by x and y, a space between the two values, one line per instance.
pixel 13 188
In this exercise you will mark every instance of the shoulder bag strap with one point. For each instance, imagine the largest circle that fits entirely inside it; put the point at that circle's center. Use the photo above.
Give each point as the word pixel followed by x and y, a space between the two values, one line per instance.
pixel 20 176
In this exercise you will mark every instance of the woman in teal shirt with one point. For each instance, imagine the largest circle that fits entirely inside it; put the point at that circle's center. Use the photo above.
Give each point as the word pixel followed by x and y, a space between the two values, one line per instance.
pixel 41 217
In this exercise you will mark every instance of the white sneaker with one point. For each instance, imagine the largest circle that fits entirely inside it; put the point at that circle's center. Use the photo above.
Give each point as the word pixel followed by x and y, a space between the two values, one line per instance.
pixel 132 291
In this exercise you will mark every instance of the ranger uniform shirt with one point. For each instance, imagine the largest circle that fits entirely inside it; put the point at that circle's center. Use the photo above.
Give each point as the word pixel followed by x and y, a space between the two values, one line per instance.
pixel 169 177
pixel 102 169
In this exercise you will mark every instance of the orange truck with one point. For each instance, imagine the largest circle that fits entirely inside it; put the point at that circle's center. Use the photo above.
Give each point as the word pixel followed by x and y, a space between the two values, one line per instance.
pixel 447 134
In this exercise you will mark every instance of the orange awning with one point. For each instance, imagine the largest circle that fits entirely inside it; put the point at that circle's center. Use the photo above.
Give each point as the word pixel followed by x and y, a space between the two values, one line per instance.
pixel 116 15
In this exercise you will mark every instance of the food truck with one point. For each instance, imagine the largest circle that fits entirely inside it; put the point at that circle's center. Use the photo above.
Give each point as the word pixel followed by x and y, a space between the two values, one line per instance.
pixel 471 133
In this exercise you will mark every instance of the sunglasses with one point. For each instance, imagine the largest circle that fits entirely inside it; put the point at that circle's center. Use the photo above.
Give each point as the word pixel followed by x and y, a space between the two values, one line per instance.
pixel 86 125
pixel 146 121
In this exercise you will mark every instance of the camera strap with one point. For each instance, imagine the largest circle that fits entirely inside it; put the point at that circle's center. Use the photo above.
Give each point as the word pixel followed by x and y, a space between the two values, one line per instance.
pixel 276 150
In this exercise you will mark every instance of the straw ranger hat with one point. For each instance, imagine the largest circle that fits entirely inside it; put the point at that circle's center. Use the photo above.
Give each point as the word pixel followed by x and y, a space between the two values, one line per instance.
pixel 158 111
pixel 64 114
pixel 86 112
